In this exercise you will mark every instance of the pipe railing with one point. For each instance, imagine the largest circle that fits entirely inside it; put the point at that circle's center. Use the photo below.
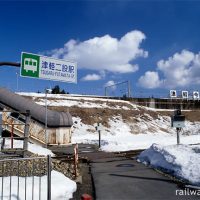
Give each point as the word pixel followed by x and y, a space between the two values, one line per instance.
pixel 14 64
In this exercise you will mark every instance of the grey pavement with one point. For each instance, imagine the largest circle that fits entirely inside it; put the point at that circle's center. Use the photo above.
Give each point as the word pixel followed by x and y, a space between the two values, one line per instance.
pixel 126 179
pixel 120 178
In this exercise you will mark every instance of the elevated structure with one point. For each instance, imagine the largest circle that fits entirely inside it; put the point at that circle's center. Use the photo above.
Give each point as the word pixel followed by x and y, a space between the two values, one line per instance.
pixel 58 123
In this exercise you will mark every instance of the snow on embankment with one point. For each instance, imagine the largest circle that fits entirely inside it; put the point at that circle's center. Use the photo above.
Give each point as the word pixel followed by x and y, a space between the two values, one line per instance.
pixel 126 126
pixel 79 101
pixel 181 161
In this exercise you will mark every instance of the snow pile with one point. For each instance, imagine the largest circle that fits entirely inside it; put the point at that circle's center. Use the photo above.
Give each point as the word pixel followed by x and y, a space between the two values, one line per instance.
pixel 61 188
pixel 120 137
pixel 181 161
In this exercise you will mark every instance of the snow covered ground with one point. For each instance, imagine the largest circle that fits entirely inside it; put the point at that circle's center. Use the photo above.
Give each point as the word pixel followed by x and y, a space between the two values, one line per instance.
pixel 181 161
pixel 144 130
pixel 66 186
pixel 120 137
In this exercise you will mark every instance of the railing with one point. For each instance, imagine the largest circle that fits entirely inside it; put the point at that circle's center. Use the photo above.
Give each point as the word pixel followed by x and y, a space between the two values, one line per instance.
pixel 12 127
pixel 25 178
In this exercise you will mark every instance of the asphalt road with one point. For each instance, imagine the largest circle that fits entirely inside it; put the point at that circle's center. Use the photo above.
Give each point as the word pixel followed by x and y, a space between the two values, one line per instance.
pixel 120 178
pixel 126 179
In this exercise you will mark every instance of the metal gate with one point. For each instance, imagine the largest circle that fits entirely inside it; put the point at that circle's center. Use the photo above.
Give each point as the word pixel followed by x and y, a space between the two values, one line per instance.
pixel 25 178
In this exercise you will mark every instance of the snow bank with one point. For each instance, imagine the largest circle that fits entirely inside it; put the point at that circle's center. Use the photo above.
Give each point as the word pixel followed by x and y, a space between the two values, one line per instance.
pixel 62 188
pixel 181 161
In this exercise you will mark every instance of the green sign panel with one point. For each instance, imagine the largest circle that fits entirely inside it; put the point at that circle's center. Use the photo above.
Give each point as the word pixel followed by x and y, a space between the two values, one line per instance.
pixel 36 66
pixel 30 65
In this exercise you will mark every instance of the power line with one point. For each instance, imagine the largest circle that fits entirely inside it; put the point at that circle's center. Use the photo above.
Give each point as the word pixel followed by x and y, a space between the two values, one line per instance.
pixel 120 83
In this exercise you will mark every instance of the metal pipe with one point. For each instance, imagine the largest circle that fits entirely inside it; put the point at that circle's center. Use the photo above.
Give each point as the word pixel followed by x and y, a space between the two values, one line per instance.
pixel 21 159
pixel 18 178
pixel 25 192
pixel 33 180
pixel 39 181
pixel 2 180
pixel 26 132
pixel 13 64
pixel 49 177
pixel 10 180
pixel 12 132
pixel 46 138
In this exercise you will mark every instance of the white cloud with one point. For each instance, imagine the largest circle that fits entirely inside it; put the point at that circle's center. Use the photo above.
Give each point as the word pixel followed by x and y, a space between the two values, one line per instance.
pixel 180 70
pixel 150 80
pixel 105 53
pixel 91 77
pixel 112 84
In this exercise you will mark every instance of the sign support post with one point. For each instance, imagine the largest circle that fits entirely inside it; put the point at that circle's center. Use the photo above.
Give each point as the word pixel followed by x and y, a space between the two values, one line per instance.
pixel 178 135
pixel 98 127
pixel 99 139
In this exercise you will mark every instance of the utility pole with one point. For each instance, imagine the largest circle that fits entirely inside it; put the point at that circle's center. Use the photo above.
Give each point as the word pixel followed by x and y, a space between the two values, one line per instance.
pixel 105 91
pixel 17 81
pixel 129 89
pixel 47 91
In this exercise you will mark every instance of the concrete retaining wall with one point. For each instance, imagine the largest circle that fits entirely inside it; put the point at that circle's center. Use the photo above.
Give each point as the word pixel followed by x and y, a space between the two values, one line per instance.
pixel 185 104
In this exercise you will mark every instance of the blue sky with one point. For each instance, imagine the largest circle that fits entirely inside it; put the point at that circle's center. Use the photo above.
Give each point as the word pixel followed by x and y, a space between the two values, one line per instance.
pixel 154 44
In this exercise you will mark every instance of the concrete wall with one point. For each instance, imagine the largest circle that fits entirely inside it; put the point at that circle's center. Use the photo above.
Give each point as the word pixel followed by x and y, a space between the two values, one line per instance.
pixel 185 104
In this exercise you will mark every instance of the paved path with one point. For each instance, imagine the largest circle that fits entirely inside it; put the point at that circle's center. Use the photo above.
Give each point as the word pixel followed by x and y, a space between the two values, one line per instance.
pixel 126 179
pixel 120 178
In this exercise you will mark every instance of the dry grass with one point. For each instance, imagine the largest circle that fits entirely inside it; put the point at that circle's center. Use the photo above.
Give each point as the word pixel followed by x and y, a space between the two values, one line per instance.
pixel 193 115
pixel 94 115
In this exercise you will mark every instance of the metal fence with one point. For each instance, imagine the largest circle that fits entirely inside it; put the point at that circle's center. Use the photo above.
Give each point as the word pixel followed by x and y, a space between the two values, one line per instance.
pixel 25 178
